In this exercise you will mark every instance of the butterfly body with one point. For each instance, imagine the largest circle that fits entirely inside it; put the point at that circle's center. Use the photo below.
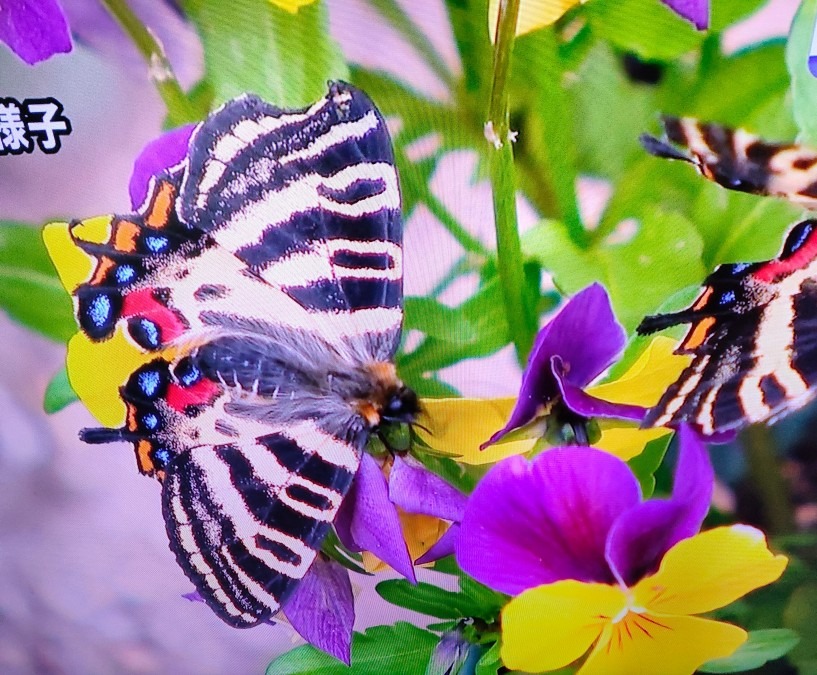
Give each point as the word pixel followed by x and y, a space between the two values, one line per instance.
pixel 240 328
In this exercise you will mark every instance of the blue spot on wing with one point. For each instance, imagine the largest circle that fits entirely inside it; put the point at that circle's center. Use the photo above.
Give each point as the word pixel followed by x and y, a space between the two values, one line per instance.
pixel 151 421
pixel 125 274
pixel 727 298
pixel 149 381
pixel 99 310
pixel 156 244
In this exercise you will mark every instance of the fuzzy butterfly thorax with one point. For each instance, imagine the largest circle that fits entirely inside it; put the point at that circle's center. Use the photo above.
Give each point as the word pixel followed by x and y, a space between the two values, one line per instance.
pixel 240 328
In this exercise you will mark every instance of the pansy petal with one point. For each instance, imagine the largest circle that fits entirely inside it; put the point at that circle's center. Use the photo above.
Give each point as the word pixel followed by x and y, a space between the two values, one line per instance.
pixel 638 540
pixel 157 156
pixel 322 608
pixel 585 335
pixel 694 480
pixel 34 29
pixel 641 537
pixel 550 626
pixel 458 426
pixel 694 11
pixel 675 645
pixel 624 440
pixel 445 546
pixel 374 524
pixel 415 489
pixel 589 406
pixel 646 380
pixel 533 14
pixel 291 6
pixel 710 570
pixel 533 523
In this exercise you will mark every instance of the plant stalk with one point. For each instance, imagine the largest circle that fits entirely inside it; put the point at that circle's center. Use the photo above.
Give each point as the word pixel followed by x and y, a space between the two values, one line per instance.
pixel 521 322
pixel 179 108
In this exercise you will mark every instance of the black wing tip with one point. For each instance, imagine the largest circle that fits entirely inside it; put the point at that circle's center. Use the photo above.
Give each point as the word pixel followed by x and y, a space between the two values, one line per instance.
pixel 658 148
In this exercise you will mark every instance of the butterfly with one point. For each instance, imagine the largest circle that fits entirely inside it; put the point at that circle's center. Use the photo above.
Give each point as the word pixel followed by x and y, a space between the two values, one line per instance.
pixel 753 326
pixel 240 328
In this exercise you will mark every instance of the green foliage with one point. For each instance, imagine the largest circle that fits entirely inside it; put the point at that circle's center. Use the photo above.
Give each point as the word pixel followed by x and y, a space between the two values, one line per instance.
pixel 255 46
pixel 58 393
pixel 803 83
pixel 30 291
pixel 473 600
pixel 401 648
pixel 761 647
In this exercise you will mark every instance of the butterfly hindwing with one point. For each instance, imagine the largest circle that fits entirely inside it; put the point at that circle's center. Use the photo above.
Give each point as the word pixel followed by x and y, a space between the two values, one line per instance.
pixel 751 339
pixel 248 351
pixel 245 519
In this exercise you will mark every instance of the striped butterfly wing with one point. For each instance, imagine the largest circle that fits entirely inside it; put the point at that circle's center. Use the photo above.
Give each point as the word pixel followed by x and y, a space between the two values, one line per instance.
pixel 261 291
pixel 738 160
pixel 753 338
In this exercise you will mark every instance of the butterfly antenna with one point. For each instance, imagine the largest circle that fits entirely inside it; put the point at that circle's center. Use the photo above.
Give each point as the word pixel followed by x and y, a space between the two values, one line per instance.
pixel 656 322
pixel 100 435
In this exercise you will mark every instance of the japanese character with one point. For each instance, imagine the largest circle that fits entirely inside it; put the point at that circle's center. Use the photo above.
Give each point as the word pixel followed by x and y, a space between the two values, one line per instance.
pixel 50 124
pixel 12 129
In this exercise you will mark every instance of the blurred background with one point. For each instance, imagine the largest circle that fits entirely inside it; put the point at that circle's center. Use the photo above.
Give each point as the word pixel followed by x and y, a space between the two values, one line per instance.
pixel 87 583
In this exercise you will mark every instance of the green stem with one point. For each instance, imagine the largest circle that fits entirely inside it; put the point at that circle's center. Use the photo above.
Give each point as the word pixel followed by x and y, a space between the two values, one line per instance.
pixel 521 322
pixel 179 108
pixel 394 14
pixel 764 470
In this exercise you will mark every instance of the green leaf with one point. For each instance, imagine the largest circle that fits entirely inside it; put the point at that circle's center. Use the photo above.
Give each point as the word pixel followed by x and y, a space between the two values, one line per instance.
pixel 662 256
pixel 645 464
pixel 254 46
pixel 646 27
pixel 437 320
pixel 402 648
pixel 761 647
pixel 800 615
pixel 490 663
pixel 544 153
pixel 472 601
pixel 30 290
pixel 803 83
pixel 731 93
pixel 727 12
pixel 58 393
pixel 484 313
pixel 604 99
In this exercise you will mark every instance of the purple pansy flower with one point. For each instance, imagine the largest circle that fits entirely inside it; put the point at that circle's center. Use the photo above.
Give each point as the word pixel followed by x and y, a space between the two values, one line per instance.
pixel 694 11
pixel 572 350
pixel 160 154
pixel 321 609
pixel 577 513
pixel 35 30
pixel 368 519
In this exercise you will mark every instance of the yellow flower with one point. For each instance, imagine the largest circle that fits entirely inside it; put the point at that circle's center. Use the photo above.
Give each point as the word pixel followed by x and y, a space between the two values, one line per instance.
pixel 458 426
pixel 649 627
pixel 533 14
pixel 291 6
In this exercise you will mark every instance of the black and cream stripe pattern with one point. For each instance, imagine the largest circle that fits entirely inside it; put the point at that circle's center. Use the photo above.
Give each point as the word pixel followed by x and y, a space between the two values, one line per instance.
pixel 273 324
pixel 753 338
pixel 738 160
pixel 246 518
